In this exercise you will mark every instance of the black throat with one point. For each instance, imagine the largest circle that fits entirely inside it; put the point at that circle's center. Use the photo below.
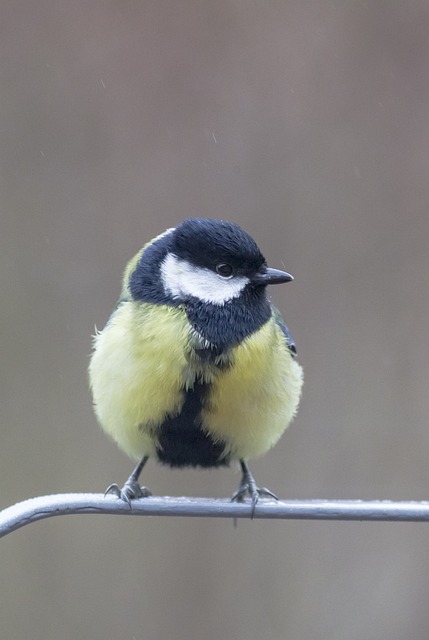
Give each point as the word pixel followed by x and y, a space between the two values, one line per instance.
pixel 225 326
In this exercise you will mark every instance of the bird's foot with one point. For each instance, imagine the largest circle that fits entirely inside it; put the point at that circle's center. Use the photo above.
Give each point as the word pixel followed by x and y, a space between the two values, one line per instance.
pixel 248 489
pixel 130 491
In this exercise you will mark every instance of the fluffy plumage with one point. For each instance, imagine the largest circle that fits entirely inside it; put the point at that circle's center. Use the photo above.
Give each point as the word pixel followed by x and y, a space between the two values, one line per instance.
pixel 195 368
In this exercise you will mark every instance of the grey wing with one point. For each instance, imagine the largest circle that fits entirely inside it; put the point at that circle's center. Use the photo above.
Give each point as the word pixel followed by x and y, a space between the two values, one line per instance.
pixel 287 334
pixel 289 340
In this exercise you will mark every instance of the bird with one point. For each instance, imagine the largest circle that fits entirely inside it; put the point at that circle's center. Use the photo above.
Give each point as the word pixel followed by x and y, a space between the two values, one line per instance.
pixel 195 366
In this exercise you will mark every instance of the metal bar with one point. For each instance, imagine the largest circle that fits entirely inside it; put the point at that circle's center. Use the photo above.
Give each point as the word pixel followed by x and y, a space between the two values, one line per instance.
pixel 23 513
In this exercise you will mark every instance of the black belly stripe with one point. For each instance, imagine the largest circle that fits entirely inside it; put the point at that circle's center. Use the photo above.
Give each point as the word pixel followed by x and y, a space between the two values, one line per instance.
pixel 181 440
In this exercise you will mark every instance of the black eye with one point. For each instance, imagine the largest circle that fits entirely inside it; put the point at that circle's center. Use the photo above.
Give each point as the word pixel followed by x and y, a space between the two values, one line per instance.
pixel 224 270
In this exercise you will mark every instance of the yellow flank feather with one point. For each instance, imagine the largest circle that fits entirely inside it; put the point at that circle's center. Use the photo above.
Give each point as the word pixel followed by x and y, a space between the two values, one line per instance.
pixel 136 373
pixel 143 360
pixel 252 402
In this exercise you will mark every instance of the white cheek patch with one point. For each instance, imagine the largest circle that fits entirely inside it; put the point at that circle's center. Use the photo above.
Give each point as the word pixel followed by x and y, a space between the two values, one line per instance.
pixel 182 279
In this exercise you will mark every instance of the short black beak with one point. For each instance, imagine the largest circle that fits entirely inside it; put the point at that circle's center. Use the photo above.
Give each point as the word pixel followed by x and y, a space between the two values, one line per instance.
pixel 271 276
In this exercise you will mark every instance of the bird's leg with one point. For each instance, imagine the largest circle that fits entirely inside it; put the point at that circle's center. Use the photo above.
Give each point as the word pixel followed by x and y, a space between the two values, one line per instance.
pixel 131 489
pixel 248 487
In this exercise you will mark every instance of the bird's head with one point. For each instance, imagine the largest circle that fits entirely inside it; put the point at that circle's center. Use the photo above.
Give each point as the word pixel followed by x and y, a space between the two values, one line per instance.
pixel 213 268
pixel 214 261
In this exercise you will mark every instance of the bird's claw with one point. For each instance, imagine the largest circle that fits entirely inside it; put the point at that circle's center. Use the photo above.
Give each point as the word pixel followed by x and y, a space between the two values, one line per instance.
pixel 130 491
pixel 248 489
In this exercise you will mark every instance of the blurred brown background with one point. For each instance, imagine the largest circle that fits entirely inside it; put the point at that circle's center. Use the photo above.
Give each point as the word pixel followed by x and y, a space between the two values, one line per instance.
pixel 308 124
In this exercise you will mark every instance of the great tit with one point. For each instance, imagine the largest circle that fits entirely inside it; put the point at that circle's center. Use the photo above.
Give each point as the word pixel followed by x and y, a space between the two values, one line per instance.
pixel 195 367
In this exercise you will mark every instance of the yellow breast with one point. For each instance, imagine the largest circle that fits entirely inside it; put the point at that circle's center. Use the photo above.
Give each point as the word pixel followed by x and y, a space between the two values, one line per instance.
pixel 143 360
pixel 253 401
pixel 136 373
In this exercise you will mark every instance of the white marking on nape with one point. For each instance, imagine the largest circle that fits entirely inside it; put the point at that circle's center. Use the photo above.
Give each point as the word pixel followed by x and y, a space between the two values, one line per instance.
pixel 182 279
